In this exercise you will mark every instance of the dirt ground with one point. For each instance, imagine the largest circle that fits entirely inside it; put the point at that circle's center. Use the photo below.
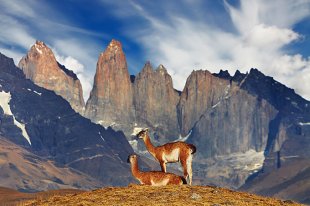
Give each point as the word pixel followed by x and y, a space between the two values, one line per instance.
pixel 168 195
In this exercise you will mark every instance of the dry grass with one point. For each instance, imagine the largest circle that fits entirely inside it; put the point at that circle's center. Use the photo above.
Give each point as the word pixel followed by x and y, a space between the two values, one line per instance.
pixel 169 195
pixel 9 197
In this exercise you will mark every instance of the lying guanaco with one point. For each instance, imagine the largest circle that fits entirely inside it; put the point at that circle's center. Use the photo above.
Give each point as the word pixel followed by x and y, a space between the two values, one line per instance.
pixel 170 153
pixel 154 178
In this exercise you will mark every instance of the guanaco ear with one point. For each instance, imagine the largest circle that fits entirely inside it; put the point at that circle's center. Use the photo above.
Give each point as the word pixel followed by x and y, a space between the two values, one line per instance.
pixel 128 159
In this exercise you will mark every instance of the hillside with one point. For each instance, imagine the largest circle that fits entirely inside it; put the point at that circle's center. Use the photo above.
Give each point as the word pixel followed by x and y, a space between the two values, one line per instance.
pixel 291 181
pixel 25 171
pixel 168 195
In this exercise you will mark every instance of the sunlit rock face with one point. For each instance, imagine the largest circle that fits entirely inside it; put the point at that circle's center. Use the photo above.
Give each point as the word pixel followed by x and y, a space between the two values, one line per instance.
pixel 111 99
pixel 40 66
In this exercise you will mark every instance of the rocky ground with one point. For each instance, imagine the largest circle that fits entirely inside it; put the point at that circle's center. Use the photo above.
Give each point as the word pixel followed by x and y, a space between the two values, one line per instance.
pixel 168 195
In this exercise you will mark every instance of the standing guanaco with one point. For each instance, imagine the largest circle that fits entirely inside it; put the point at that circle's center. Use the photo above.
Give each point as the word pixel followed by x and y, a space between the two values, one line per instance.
pixel 170 153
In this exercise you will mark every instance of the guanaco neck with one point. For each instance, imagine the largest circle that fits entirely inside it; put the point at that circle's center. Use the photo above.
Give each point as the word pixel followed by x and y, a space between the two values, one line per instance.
pixel 150 147
pixel 135 169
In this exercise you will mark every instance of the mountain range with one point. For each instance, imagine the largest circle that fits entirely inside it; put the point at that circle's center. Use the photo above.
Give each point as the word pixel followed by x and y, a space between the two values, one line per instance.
pixel 247 127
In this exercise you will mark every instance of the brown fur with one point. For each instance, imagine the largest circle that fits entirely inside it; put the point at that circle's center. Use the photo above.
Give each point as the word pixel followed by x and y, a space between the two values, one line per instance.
pixel 155 178
pixel 185 152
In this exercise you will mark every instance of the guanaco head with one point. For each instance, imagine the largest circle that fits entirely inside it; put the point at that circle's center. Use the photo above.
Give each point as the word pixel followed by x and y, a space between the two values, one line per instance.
pixel 143 133
pixel 131 158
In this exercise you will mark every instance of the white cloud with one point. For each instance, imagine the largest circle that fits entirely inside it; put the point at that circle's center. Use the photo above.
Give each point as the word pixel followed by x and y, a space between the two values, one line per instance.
pixel 262 30
pixel 294 70
pixel 18 8
pixel 263 36
pixel 14 33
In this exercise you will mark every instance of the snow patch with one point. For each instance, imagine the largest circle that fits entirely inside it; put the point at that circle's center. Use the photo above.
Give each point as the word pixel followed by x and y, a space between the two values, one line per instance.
pixel 106 124
pixel 38 93
pixel 250 160
pixel 242 82
pixel 183 139
pixel 134 144
pixel 136 130
pixel 216 105
pixel 5 99
pixel 86 158
pixel 38 50
pixel 101 136
pixel 304 123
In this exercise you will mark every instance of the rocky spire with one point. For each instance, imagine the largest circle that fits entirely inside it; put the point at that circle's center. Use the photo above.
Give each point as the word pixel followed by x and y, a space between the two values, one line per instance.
pixel 40 66
pixel 155 101
pixel 111 97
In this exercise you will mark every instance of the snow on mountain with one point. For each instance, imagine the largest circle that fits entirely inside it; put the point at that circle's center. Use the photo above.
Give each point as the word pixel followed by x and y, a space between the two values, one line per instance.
pixel 5 104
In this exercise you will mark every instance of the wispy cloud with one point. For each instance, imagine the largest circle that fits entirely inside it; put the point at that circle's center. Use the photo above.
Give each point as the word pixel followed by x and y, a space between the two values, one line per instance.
pixel 22 22
pixel 258 36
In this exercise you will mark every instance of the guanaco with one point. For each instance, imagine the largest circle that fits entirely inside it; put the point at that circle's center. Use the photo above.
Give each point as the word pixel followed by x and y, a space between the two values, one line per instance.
pixel 170 153
pixel 154 178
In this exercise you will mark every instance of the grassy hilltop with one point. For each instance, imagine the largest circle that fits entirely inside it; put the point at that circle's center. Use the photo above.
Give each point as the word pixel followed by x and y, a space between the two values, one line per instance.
pixel 168 195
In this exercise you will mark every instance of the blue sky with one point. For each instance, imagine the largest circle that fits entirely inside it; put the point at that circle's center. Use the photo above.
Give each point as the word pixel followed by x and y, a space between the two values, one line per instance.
pixel 183 35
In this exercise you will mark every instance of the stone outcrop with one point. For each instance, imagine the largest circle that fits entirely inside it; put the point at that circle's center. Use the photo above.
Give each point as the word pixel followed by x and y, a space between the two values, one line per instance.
pixel 238 122
pixel 155 101
pixel 40 66
pixel 110 100
pixel 202 91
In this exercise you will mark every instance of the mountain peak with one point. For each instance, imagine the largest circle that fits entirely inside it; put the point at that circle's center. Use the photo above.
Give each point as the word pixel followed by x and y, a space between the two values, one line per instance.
pixel 40 43
pixel 147 67
pixel 108 92
pixel 7 65
pixel 115 46
pixel 6 60
pixel 41 67
pixel 40 48
pixel 161 69
pixel 224 74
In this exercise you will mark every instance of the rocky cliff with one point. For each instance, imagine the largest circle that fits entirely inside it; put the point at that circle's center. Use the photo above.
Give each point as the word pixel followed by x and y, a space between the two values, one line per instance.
pixel 202 91
pixel 155 102
pixel 148 100
pixel 110 101
pixel 41 67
